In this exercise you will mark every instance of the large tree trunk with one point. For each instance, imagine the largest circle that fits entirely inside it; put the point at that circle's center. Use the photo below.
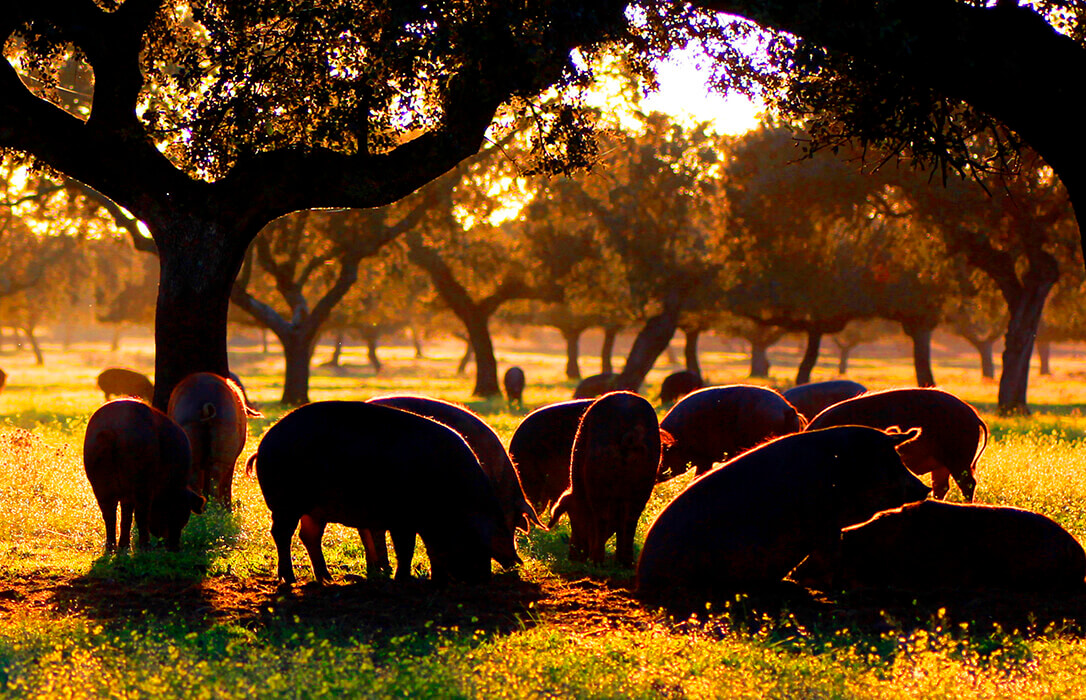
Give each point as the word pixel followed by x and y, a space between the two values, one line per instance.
pixel 920 334
pixel 1018 349
pixel 691 350
pixel 650 342
pixel 191 312
pixel 297 355
pixel 607 350
pixel 573 351
pixel 486 365
pixel 810 357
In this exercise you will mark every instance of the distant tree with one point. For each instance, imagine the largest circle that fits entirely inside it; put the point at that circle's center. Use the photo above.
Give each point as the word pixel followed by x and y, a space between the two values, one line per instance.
pixel 979 315
pixel 855 334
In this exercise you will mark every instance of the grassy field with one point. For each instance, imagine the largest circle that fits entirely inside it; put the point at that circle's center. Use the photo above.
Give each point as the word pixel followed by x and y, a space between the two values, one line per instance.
pixel 210 622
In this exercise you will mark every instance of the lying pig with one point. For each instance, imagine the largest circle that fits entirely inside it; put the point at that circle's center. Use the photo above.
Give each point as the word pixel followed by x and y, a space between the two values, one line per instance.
pixel 616 456
pixel 747 524
pixel 118 381
pixel 211 410
pixel 595 385
pixel 952 439
pixel 380 468
pixel 541 447
pixel 138 458
pixel 714 424
pixel 993 547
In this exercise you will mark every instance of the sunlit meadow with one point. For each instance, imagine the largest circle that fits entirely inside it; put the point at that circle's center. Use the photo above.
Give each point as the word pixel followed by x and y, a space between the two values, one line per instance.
pixel 51 539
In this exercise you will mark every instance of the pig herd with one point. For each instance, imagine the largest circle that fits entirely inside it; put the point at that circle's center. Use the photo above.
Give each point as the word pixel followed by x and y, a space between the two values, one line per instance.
pixel 822 491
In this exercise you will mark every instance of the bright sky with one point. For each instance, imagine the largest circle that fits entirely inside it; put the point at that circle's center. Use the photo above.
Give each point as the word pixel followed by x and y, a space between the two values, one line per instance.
pixel 685 94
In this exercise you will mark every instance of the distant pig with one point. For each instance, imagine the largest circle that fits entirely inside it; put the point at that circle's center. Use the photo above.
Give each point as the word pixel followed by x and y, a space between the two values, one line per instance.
pixel 952 439
pixel 747 524
pixel 513 381
pixel 541 447
pixel 812 399
pixel 714 424
pixel 118 381
pixel 211 411
pixel 380 468
pixel 616 456
pixel 138 458
pixel 677 385
pixel 595 386
pixel 991 548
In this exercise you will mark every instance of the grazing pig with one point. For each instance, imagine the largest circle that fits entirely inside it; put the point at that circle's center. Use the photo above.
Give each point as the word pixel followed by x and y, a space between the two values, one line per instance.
pixel 137 457
pixel 714 424
pixel 811 399
pixel 747 524
pixel 678 385
pixel 596 385
pixel 118 381
pixel 251 408
pixel 486 445
pixel 952 439
pixel 616 456
pixel 993 547
pixel 379 468
pixel 514 386
pixel 211 411
pixel 541 447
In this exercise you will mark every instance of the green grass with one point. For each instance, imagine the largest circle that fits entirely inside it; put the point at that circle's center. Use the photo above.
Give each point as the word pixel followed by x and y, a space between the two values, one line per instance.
pixel 208 622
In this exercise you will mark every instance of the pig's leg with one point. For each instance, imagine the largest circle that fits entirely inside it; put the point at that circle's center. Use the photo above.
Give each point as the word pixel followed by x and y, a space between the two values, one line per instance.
pixel 126 525
pixel 282 531
pixel 940 482
pixel 143 520
pixel 967 483
pixel 624 539
pixel 376 551
pixel 311 533
pixel 403 543
pixel 109 515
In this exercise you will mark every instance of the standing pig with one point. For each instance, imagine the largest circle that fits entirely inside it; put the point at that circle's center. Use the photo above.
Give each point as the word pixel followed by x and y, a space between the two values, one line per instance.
pixel 135 456
pixel 993 547
pixel 211 411
pixel 118 381
pixel 952 439
pixel 616 456
pixel 513 381
pixel 677 385
pixel 379 468
pixel 541 447
pixel 812 399
pixel 711 425
pixel 486 445
pixel 750 522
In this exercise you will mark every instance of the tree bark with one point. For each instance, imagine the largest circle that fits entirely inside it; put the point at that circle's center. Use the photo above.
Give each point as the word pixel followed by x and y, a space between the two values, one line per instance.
pixel 691 350
pixel 469 354
pixel 39 359
pixel 842 359
pixel 573 351
pixel 810 357
pixel 337 349
pixel 607 350
pixel 759 359
pixel 416 341
pixel 1044 354
pixel 372 336
pixel 920 334
pixel 984 348
pixel 651 341
pixel 1018 349
pixel 486 365
pixel 298 350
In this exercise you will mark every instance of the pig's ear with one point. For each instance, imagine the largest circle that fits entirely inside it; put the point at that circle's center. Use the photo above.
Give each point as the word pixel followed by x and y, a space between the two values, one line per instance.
pixel 897 437
pixel 196 501
pixel 667 440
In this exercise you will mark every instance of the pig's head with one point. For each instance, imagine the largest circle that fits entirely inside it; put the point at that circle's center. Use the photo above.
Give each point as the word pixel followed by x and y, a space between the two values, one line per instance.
pixel 870 476
pixel 170 513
